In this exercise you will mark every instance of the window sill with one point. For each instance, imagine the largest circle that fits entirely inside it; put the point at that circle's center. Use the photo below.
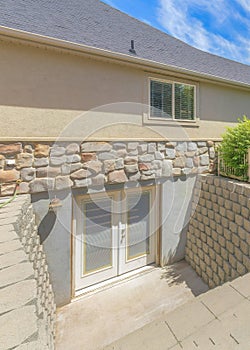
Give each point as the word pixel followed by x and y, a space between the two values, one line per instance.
pixel 171 122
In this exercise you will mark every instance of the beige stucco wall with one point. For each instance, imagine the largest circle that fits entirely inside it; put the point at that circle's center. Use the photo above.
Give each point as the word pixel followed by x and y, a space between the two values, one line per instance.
pixel 223 103
pixel 43 90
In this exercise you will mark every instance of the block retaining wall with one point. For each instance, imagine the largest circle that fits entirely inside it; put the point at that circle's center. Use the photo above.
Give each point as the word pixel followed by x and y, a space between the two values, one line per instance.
pixel 27 308
pixel 218 238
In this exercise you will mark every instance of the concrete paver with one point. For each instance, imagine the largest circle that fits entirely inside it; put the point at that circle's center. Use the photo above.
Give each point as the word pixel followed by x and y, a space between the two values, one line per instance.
pixel 213 299
pixel 17 295
pixel 237 323
pixel 242 285
pixel 15 273
pixel 212 336
pixel 8 235
pixel 8 247
pixel 6 213
pixel 240 311
pixel 8 220
pixel 35 345
pixel 232 332
pixel 12 258
pixel 154 336
pixel 225 327
pixel 12 332
pixel 188 318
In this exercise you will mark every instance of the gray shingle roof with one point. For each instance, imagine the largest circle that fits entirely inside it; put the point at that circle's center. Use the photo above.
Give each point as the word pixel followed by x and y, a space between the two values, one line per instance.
pixel 93 23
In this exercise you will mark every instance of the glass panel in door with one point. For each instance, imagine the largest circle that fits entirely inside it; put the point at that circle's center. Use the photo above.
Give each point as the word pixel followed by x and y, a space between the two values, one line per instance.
pixel 137 231
pixel 96 237
pixel 138 226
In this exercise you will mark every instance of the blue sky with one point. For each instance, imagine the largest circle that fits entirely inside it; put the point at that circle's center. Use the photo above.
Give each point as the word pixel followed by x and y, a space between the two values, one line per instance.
pixel 221 27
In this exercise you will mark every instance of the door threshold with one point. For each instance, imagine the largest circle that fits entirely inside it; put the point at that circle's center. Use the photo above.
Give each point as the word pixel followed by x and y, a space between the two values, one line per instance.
pixel 112 282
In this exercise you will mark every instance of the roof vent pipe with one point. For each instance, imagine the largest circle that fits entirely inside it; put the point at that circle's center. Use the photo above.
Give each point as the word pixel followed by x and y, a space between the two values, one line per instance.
pixel 132 49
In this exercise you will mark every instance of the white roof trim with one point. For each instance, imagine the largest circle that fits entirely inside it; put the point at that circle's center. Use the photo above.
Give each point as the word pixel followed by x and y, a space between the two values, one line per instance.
pixel 63 44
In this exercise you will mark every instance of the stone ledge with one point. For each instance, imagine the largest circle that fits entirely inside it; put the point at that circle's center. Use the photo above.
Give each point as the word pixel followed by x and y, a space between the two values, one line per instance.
pixel 16 273
pixel 35 345
pixel 17 326
pixel 12 258
pixel 8 236
pixel 17 295
pixel 10 246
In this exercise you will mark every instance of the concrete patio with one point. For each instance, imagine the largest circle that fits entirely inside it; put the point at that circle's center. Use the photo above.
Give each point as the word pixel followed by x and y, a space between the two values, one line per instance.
pixel 112 314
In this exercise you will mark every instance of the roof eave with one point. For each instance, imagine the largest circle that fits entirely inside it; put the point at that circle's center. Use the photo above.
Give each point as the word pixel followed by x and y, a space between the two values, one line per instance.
pixel 81 48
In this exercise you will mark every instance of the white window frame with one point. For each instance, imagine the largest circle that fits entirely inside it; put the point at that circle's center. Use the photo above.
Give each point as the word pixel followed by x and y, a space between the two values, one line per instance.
pixel 172 82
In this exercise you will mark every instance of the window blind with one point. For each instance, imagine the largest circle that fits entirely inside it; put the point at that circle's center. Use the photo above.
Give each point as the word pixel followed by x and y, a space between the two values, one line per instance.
pixel 184 101
pixel 164 96
pixel 161 99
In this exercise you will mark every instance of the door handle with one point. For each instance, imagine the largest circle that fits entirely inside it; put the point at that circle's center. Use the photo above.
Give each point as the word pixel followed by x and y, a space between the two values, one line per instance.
pixel 122 230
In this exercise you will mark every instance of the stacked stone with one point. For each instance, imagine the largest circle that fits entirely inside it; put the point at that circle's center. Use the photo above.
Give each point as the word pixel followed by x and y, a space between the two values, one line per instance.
pixel 218 238
pixel 43 167
pixel 23 263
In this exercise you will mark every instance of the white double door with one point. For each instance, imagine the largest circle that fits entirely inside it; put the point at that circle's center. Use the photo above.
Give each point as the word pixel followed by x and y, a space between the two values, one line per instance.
pixel 114 234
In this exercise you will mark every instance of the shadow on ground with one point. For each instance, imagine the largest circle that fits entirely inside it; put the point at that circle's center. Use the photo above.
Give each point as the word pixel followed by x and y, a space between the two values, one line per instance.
pixel 180 273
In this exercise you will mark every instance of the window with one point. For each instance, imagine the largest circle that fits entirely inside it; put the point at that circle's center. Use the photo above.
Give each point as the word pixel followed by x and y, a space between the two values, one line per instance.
pixel 172 100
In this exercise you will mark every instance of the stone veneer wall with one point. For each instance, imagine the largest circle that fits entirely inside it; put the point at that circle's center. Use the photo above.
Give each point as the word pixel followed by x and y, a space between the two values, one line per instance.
pixel 27 308
pixel 218 238
pixel 43 167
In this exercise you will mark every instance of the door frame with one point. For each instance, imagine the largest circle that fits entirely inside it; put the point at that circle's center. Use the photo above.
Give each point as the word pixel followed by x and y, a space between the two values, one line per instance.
pixel 76 213
pixel 126 264
pixel 79 196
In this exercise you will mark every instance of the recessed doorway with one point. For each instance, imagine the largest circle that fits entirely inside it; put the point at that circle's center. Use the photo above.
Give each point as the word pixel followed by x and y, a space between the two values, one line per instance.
pixel 114 233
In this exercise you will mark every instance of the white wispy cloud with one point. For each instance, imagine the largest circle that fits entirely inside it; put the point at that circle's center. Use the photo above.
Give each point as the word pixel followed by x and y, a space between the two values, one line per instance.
pixel 245 4
pixel 180 19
